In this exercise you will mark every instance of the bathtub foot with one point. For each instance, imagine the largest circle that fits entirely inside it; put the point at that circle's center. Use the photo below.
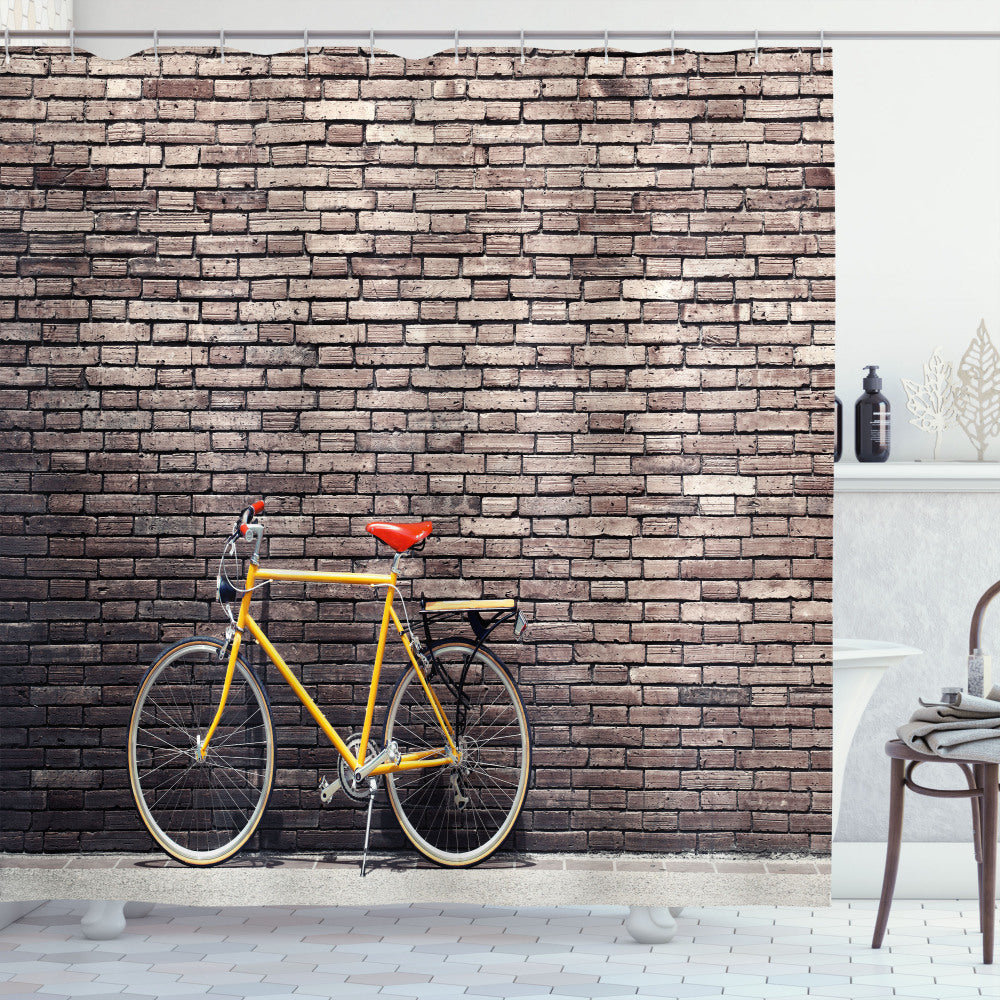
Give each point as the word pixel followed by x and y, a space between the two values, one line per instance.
pixel 104 920
pixel 652 924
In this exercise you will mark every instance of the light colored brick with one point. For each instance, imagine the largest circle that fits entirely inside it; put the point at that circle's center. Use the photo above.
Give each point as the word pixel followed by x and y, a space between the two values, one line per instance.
pixel 517 300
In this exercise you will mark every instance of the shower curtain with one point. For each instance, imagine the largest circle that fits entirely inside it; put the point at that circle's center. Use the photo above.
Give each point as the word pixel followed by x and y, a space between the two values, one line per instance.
pixel 576 309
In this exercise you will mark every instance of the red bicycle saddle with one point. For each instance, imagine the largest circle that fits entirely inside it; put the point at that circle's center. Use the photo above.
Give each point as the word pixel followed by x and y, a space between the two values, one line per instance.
pixel 399 536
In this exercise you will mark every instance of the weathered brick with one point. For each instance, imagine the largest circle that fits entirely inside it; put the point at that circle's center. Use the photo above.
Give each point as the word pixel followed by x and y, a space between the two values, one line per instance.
pixel 579 315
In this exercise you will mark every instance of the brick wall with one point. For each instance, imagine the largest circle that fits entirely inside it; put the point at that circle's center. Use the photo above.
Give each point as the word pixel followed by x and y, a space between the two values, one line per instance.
pixel 578 312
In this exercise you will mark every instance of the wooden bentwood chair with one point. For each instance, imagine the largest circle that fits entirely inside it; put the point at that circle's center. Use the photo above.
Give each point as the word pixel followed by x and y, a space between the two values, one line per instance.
pixel 981 779
pixel 982 790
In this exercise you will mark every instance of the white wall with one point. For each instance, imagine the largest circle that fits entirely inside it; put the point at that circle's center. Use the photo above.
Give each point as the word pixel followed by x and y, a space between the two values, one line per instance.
pixel 917 129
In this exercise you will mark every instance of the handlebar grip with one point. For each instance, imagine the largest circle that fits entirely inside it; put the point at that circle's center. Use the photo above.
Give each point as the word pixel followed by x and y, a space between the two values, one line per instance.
pixel 249 516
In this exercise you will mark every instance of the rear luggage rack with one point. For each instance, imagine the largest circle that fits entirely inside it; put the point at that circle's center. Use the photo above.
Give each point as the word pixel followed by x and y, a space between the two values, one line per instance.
pixel 503 610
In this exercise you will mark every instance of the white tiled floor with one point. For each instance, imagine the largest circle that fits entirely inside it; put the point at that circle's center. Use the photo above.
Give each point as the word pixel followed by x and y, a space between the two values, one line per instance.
pixel 931 952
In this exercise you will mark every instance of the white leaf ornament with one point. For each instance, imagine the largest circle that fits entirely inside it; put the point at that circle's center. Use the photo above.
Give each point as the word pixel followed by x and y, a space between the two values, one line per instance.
pixel 978 407
pixel 934 403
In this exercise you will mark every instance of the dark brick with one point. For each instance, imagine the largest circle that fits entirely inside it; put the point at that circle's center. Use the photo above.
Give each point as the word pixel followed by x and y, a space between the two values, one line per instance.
pixel 574 344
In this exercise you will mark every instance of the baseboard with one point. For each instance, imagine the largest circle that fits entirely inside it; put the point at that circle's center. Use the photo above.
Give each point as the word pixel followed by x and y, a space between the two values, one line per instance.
pixel 9 912
pixel 926 871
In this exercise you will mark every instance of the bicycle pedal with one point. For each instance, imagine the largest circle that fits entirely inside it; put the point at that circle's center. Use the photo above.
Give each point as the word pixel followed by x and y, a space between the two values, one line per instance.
pixel 327 790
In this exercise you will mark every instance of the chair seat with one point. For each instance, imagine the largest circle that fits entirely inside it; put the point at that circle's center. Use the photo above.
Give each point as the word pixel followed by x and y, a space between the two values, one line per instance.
pixel 903 751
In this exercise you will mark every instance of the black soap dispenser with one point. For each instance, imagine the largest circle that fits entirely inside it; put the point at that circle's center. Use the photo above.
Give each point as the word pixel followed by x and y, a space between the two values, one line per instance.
pixel 871 420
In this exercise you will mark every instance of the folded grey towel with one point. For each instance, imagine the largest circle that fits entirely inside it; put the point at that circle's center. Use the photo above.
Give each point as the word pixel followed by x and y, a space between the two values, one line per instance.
pixel 968 729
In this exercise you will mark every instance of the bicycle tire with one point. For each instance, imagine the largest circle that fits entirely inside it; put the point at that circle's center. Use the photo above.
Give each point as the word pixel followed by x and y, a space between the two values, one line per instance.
pixel 200 812
pixel 458 815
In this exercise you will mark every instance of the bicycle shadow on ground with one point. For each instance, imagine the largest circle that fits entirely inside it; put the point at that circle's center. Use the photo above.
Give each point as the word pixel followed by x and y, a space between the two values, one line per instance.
pixel 376 861
pixel 408 862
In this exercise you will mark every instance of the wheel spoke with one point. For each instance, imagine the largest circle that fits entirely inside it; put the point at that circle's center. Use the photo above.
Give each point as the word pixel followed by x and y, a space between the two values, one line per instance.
pixel 169 761
pixel 162 741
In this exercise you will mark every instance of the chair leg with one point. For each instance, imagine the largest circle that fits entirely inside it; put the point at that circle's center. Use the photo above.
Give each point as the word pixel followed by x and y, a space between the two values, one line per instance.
pixel 978 782
pixel 896 790
pixel 988 891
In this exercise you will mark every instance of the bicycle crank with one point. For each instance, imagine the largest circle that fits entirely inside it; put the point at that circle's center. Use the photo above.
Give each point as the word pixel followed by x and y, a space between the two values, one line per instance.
pixel 389 753
pixel 345 782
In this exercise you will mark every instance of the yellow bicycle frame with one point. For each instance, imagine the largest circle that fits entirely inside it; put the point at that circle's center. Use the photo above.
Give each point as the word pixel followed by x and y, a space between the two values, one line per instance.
pixel 244 622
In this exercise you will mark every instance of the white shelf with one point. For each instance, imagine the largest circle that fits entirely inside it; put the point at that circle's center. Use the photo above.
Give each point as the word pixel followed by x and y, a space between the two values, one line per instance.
pixel 916 477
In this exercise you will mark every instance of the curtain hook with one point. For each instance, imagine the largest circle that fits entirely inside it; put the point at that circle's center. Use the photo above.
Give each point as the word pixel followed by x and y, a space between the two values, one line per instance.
pixel 222 45
pixel 671 46
pixel 522 46
pixel 756 47
pixel 456 46
pixel 605 46
pixel 305 47
pixel 821 46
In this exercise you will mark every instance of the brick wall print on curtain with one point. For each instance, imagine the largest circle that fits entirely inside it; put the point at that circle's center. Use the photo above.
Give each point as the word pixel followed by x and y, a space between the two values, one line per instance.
pixel 578 312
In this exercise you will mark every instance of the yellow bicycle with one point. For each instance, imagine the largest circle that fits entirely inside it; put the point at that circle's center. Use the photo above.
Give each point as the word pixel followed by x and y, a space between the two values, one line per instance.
pixel 455 752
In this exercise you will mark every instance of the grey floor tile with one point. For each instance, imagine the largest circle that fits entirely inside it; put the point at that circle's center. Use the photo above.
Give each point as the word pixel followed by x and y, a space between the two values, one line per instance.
pixel 680 991
pixel 590 991
pixel 79 989
pixel 506 990
pixel 427 991
pixel 241 989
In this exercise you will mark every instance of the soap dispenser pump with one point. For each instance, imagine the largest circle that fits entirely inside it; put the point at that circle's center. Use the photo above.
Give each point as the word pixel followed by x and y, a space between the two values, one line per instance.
pixel 871 420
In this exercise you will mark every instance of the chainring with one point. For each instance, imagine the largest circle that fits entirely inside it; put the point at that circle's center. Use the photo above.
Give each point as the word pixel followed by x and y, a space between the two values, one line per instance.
pixel 357 793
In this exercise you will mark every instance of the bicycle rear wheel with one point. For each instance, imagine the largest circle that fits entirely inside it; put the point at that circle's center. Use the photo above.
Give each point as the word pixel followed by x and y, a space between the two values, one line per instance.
pixel 200 811
pixel 459 814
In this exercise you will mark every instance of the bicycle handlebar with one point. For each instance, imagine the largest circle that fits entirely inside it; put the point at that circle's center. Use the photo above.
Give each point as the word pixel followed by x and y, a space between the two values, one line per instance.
pixel 248 517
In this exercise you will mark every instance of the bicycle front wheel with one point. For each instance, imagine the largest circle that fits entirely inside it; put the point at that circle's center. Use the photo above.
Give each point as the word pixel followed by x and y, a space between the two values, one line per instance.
pixel 458 814
pixel 200 811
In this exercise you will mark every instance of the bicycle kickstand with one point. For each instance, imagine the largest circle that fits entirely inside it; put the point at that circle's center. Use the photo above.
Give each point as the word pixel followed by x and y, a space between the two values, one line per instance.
pixel 372 789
